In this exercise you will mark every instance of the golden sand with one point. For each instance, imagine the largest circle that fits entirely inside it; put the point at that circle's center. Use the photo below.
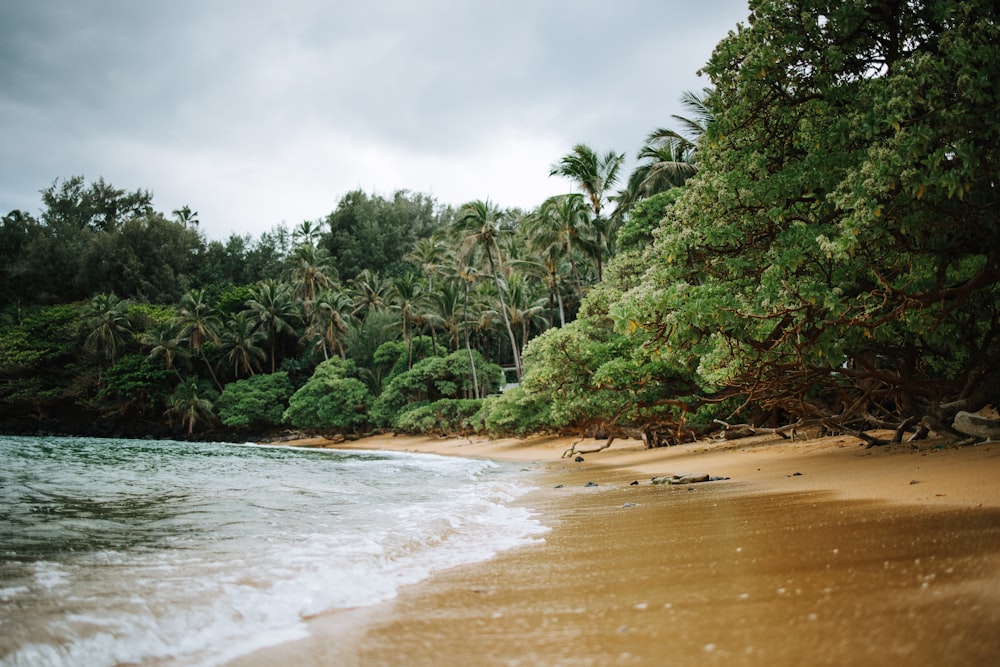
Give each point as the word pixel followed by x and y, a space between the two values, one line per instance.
pixel 814 552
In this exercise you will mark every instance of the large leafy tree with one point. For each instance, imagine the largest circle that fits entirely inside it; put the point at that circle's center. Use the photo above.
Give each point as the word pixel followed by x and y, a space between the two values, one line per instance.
pixel 838 254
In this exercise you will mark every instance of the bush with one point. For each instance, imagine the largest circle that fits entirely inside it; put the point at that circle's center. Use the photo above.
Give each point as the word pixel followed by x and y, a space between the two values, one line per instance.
pixel 331 400
pixel 447 416
pixel 432 379
pixel 515 412
pixel 258 401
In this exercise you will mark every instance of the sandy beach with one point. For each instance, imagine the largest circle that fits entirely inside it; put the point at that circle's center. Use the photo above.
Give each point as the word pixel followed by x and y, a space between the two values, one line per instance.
pixel 812 552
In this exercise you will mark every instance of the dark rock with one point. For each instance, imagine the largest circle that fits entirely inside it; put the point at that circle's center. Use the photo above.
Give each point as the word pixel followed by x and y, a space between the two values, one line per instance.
pixel 579 459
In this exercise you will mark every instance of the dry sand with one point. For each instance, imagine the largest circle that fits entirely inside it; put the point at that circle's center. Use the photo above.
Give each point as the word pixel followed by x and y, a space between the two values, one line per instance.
pixel 814 552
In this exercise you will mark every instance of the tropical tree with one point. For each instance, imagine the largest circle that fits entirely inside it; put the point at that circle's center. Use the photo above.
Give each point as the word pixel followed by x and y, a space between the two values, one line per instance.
pixel 307 232
pixel 163 340
pixel 192 402
pixel 108 325
pixel 311 271
pixel 273 309
pixel 405 297
pixel 198 324
pixel 369 291
pixel 595 175
pixel 478 226
pixel 328 323
pixel 444 310
pixel 239 342
pixel 835 258
pixel 185 216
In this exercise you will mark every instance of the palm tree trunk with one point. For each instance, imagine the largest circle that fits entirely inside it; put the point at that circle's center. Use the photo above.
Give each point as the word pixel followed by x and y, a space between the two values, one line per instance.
pixel 506 318
pixel 472 359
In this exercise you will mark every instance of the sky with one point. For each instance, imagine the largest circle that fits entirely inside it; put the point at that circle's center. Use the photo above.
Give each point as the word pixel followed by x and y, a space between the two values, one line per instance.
pixel 256 114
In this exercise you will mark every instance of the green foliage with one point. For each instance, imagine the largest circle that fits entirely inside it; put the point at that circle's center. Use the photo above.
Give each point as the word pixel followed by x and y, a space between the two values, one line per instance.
pixel 515 412
pixel 432 379
pixel 374 233
pixel 446 416
pixel 192 401
pixel 259 401
pixel 837 252
pixel 332 399
pixel 135 380
pixel 644 218
pixel 38 355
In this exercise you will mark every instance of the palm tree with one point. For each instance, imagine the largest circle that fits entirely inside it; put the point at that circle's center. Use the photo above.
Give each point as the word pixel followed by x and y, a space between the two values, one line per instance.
pixel 307 233
pixel 272 306
pixel 444 310
pixel 559 229
pixel 670 157
pixel 185 216
pixel 198 325
pixel 329 321
pixel 368 290
pixel 163 341
pixel 430 254
pixel 524 305
pixel 595 175
pixel 405 296
pixel 311 271
pixel 108 325
pixel 479 224
pixel 240 341
pixel 192 401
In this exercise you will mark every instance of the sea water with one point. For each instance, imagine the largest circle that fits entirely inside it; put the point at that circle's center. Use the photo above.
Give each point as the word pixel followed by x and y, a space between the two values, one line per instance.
pixel 144 551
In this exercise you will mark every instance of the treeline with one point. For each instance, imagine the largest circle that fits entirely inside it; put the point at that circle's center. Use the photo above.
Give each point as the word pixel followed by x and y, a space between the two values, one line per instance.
pixel 818 245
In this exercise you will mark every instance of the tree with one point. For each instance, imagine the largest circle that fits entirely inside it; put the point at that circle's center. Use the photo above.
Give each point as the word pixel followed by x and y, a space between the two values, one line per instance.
pixel 185 216
pixel 328 325
pixel 331 400
pixel 259 401
pixel 311 271
pixel 835 258
pixel 273 308
pixel 406 296
pixel 478 226
pixel 198 325
pixel 192 402
pixel 595 175
pixel 240 341
pixel 163 341
pixel 108 325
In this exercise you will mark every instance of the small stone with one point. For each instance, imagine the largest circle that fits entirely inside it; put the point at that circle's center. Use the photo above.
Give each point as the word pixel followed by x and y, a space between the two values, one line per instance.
pixel 579 459
pixel 634 483
pixel 590 484
pixel 914 481
pixel 558 486
pixel 629 505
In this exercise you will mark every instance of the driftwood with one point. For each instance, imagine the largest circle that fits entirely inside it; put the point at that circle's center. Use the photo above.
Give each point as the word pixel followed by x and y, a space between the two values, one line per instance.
pixel 977 426
pixel 737 431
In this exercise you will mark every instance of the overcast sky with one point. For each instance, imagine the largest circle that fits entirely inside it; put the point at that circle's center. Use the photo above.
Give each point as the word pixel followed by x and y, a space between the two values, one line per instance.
pixel 261 113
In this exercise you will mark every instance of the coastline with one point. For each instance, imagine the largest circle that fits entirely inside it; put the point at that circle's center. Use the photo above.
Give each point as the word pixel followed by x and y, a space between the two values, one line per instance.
pixel 890 554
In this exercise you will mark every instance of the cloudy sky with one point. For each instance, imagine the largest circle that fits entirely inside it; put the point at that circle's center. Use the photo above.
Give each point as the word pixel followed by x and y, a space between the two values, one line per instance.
pixel 261 113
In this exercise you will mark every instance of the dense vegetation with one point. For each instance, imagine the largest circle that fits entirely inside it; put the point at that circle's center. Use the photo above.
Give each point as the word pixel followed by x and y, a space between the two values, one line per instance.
pixel 818 244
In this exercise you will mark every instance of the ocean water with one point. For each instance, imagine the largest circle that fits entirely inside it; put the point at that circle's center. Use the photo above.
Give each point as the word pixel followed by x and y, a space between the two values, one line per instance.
pixel 141 551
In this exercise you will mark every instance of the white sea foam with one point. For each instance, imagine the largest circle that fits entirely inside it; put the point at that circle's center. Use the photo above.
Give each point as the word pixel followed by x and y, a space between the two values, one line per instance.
pixel 231 552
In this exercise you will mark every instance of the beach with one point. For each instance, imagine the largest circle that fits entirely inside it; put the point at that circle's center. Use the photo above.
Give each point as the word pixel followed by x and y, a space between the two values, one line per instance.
pixel 818 551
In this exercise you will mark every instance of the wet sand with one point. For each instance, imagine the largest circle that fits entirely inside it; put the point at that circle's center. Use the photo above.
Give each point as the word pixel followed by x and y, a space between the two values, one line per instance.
pixel 889 556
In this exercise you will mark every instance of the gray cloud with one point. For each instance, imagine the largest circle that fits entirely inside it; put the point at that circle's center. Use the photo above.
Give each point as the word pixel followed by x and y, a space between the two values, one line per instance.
pixel 255 113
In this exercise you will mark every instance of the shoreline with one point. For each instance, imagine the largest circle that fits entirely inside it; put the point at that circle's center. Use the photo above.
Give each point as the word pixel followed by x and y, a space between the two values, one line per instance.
pixel 891 554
